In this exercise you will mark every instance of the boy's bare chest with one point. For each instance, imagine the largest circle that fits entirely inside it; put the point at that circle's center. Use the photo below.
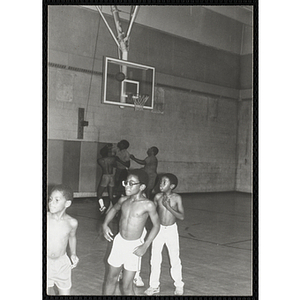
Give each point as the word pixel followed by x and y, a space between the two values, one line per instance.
pixel 164 200
pixel 59 228
pixel 133 209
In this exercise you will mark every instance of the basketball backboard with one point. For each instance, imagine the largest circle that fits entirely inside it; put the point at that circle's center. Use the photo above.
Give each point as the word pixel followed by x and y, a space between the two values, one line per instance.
pixel 123 81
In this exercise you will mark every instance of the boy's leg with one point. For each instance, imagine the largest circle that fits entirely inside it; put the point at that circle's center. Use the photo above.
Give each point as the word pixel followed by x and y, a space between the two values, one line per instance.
pixel 123 176
pixel 64 291
pixel 59 275
pixel 138 281
pixel 117 177
pixel 100 191
pixel 110 193
pixel 127 282
pixel 103 184
pixel 111 281
pixel 50 291
pixel 111 186
pixel 156 258
pixel 172 244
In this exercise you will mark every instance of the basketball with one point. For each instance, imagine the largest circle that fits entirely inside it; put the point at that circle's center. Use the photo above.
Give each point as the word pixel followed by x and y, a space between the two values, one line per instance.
pixel 120 76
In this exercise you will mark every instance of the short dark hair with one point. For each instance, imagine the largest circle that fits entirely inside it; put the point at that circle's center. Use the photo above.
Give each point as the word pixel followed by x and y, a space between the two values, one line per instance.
pixel 125 143
pixel 140 174
pixel 155 150
pixel 65 190
pixel 173 179
pixel 104 151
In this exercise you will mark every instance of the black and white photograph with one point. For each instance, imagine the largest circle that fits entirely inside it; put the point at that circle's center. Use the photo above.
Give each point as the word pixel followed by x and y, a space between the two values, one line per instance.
pixel 65 75
pixel 150 140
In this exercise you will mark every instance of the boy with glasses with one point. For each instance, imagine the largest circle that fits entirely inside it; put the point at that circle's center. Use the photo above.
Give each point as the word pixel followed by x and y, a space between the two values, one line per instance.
pixel 128 245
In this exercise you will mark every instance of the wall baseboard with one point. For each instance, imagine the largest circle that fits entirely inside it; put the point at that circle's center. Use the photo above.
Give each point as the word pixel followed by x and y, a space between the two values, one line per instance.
pixel 87 194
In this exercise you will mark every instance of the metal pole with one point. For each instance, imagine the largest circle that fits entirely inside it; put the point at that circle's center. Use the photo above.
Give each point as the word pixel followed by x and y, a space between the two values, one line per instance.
pixel 109 29
pixel 136 8
pixel 123 45
pixel 120 32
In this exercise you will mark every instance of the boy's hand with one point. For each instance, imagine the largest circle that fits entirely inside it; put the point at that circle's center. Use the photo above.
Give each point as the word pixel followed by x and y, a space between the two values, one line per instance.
pixel 166 202
pixel 140 250
pixel 107 233
pixel 74 260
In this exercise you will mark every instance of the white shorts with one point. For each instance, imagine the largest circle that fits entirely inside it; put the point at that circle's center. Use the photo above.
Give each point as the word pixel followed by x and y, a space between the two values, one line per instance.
pixel 122 253
pixel 59 272
pixel 107 180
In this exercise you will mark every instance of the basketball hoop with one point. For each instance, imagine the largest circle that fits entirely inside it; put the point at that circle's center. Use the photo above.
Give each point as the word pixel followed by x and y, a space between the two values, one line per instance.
pixel 139 101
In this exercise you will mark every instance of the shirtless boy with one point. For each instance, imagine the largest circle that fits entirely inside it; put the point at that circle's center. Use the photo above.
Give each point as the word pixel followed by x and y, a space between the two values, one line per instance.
pixel 128 245
pixel 61 231
pixel 108 164
pixel 123 163
pixel 150 166
pixel 170 208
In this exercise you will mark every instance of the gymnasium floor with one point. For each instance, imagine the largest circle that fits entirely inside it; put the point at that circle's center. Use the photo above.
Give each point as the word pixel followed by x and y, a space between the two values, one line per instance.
pixel 215 242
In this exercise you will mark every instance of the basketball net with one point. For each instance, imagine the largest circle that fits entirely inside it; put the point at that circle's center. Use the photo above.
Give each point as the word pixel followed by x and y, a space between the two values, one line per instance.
pixel 139 101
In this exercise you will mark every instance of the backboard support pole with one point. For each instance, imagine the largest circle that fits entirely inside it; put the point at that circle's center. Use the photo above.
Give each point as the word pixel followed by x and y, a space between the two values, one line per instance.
pixel 109 29
pixel 122 39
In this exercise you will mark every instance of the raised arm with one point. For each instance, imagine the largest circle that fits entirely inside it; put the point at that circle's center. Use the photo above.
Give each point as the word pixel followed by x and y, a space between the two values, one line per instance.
pixel 73 241
pixel 179 213
pixel 139 161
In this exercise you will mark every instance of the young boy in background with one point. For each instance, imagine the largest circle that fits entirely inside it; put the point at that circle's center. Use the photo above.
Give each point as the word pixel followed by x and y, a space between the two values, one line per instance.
pixel 61 231
pixel 123 164
pixel 108 163
pixel 150 166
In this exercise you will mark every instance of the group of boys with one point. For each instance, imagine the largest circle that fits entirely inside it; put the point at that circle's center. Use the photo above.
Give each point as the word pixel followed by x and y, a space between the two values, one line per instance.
pixel 114 162
pixel 129 244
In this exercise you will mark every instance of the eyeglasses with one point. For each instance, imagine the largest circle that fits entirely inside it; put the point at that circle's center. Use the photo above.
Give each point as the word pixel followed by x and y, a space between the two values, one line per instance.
pixel 130 183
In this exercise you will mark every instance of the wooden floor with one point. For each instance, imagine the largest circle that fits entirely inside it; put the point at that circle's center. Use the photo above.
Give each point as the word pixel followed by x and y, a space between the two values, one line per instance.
pixel 215 243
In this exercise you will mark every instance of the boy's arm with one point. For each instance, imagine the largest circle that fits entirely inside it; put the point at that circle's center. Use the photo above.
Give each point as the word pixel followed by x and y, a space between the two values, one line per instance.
pixel 156 225
pixel 124 163
pixel 141 250
pixel 179 213
pixel 109 217
pixel 155 200
pixel 100 162
pixel 139 161
pixel 73 241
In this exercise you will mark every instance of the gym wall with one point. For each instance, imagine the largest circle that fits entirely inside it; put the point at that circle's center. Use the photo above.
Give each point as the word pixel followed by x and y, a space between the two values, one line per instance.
pixel 204 135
